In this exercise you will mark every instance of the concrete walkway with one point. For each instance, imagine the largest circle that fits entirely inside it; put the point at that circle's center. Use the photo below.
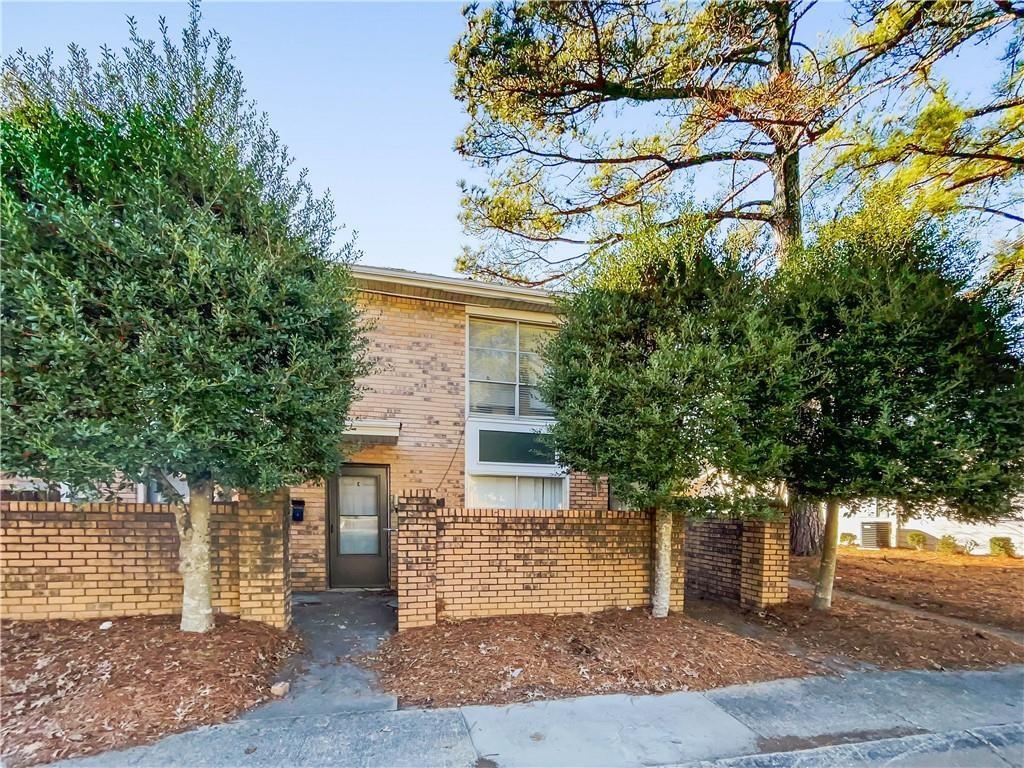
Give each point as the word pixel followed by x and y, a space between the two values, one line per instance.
pixel 877 718
pixel 891 605
pixel 335 627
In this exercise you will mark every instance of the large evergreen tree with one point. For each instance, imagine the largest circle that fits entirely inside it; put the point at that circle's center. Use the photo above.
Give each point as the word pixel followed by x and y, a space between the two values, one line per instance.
pixel 670 376
pixel 582 112
pixel 172 304
pixel 912 384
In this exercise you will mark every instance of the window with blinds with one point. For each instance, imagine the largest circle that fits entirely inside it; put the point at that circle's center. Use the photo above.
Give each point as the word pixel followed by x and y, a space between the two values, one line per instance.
pixel 505 366
pixel 515 492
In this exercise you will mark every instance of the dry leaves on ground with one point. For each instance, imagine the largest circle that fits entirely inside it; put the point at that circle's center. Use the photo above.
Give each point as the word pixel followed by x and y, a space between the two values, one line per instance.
pixel 989 590
pixel 70 688
pixel 520 658
pixel 885 638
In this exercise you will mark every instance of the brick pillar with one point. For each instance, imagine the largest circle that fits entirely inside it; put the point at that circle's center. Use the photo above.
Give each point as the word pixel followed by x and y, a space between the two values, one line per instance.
pixel 264 580
pixel 416 514
pixel 764 563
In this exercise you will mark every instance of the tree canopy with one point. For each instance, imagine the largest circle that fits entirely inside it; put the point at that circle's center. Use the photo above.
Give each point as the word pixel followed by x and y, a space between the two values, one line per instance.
pixel 912 384
pixel 913 388
pixel 172 302
pixel 670 377
pixel 669 373
pixel 585 115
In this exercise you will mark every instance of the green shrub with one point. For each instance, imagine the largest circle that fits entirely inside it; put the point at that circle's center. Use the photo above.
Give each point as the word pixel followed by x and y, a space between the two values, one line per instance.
pixel 948 545
pixel 917 540
pixel 848 539
pixel 1002 546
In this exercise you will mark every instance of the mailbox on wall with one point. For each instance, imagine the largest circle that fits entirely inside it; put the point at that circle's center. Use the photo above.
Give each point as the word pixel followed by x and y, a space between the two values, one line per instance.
pixel 298 510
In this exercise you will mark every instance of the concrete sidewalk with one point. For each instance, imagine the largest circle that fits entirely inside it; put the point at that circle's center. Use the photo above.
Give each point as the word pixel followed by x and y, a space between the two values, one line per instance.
pixel 933 718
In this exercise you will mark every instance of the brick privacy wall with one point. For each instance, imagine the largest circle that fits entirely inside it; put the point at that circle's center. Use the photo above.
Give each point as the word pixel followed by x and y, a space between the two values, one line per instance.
pixel 465 563
pixel 738 562
pixel 67 561
pixel 419 348
pixel 586 494
pixel 713 559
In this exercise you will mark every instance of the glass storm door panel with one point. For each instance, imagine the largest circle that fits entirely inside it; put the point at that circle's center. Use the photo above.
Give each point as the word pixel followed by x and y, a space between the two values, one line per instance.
pixel 357 530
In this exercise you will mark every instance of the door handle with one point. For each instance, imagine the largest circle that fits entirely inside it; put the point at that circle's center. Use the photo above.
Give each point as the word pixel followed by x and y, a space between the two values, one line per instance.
pixel 391 530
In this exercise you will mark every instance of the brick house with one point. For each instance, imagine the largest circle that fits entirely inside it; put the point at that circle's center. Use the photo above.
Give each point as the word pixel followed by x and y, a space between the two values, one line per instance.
pixel 451 408
pixel 448 495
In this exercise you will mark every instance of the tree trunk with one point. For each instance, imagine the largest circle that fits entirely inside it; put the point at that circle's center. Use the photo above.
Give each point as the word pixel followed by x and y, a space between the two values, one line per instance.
pixel 806 527
pixel 827 571
pixel 193 520
pixel 786 217
pixel 662 564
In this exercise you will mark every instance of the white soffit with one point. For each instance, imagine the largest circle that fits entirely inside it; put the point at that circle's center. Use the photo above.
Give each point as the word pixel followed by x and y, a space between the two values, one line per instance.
pixel 456 290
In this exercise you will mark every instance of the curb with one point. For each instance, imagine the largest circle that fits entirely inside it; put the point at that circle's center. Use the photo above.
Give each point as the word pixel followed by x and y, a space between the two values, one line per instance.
pixel 994 745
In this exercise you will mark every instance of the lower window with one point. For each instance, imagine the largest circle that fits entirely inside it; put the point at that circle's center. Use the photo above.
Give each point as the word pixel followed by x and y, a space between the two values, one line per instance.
pixel 515 492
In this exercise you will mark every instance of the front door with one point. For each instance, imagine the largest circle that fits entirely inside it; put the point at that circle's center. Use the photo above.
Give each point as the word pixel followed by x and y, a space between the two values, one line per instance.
pixel 357 529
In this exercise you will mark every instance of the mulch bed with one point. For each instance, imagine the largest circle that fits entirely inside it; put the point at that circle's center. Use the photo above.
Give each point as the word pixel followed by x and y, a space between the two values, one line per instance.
pixel 989 590
pixel 69 688
pixel 520 658
pixel 884 638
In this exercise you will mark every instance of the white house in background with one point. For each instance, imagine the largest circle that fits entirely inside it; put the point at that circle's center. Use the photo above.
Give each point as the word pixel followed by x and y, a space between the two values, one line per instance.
pixel 876 523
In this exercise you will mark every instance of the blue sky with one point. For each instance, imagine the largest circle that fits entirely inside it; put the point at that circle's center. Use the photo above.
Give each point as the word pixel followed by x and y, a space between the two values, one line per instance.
pixel 361 92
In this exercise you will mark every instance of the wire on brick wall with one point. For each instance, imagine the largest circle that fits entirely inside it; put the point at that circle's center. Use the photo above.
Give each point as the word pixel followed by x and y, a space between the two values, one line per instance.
pixel 455 453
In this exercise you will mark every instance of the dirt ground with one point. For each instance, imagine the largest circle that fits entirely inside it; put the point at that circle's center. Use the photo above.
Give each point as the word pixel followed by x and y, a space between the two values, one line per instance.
pixel 519 658
pixel 989 590
pixel 864 636
pixel 69 688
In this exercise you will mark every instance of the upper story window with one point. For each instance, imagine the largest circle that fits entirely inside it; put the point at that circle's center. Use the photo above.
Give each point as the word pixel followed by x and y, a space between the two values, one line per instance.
pixel 505 366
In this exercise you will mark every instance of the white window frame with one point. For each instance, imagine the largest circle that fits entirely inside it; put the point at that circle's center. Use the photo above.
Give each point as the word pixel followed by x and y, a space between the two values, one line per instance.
pixel 516 319
pixel 476 467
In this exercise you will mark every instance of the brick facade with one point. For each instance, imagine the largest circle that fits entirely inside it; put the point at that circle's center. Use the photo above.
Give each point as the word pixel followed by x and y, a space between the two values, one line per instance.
pixel 738 562
pixel 419 347
pixel 308 539
pixel 464 563
pixel 70 561
pixel 420 380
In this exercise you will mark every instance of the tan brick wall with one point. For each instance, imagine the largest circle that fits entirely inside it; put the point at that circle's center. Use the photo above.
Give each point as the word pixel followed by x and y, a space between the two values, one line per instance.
pixel 265 592
pixel 416 559
pixel 464 563
pixel 738 562
pixel 308 540
pixel 70 561
pixel 420 380
pixel 585 494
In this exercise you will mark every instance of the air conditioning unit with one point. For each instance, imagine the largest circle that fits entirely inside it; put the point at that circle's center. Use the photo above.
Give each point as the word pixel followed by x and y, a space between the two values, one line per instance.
pixel 876 535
